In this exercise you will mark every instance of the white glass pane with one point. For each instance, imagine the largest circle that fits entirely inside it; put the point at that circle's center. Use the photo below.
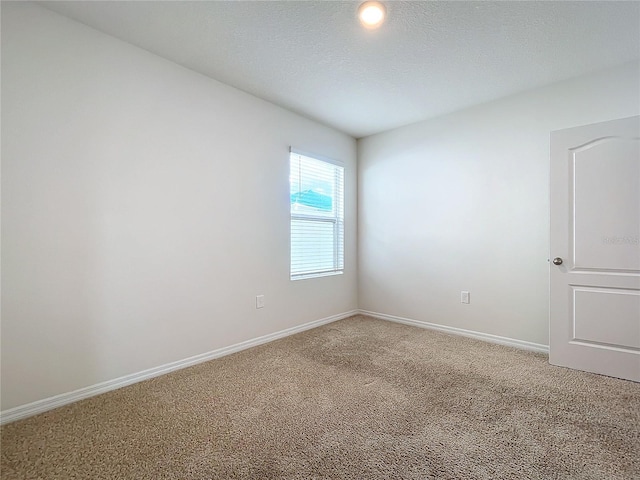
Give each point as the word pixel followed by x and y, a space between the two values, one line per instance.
pixel 312 246
pixel 313 186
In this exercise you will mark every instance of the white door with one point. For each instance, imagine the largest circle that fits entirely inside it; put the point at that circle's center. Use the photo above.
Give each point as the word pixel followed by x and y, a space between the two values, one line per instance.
pixel 595 248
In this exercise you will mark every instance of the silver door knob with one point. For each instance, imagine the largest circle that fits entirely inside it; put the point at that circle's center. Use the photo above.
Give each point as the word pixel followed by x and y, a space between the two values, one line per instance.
pixel 557 261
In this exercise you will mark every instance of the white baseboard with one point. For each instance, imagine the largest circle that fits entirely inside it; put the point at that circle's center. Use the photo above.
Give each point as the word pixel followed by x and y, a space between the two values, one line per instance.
pixel 40 406
pixel 487 337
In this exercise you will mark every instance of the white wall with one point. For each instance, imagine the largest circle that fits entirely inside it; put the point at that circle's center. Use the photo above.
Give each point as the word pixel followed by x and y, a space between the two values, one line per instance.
pixel 461 202
pixel 144 206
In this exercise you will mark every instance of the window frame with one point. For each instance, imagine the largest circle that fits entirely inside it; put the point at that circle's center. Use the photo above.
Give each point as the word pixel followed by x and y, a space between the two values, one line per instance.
pixel 337 219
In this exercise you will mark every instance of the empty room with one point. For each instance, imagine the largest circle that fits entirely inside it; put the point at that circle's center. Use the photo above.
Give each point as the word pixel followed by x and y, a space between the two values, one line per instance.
pixel 320 240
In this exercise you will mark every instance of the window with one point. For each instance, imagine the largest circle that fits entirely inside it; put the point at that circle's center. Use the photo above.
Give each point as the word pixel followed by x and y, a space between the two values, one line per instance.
pixel 317 217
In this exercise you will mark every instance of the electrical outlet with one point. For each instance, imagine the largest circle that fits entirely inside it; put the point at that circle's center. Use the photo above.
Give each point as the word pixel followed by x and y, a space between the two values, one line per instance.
pixel 464 297
pixel 259 301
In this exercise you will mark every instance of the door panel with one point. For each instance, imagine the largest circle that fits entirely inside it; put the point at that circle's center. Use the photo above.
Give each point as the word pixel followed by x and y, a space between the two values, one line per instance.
pixel 606 180
pixel 594 320
pixel 620 309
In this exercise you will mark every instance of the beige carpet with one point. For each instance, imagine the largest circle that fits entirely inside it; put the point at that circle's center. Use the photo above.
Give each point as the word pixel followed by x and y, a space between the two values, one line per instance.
pixel 356 399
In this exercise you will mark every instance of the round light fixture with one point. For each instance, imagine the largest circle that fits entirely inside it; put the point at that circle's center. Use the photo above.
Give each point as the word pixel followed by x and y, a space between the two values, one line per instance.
pixel 371 14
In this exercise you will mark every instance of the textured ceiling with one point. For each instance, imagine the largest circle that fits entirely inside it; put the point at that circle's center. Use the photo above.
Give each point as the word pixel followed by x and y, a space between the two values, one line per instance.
pixel 428 58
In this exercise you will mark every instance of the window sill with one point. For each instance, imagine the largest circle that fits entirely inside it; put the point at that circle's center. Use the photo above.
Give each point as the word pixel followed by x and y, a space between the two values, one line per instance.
pixel 316 275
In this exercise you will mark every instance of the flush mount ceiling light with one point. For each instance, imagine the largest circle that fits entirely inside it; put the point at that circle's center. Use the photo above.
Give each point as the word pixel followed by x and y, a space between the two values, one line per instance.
pixel 371 14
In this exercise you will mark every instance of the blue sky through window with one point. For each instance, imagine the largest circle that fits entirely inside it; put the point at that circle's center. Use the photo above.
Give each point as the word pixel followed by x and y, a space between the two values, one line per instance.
pixel 312 185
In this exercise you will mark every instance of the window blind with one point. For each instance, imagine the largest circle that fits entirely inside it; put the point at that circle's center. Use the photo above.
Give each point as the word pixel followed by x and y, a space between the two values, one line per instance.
pixel 317 217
